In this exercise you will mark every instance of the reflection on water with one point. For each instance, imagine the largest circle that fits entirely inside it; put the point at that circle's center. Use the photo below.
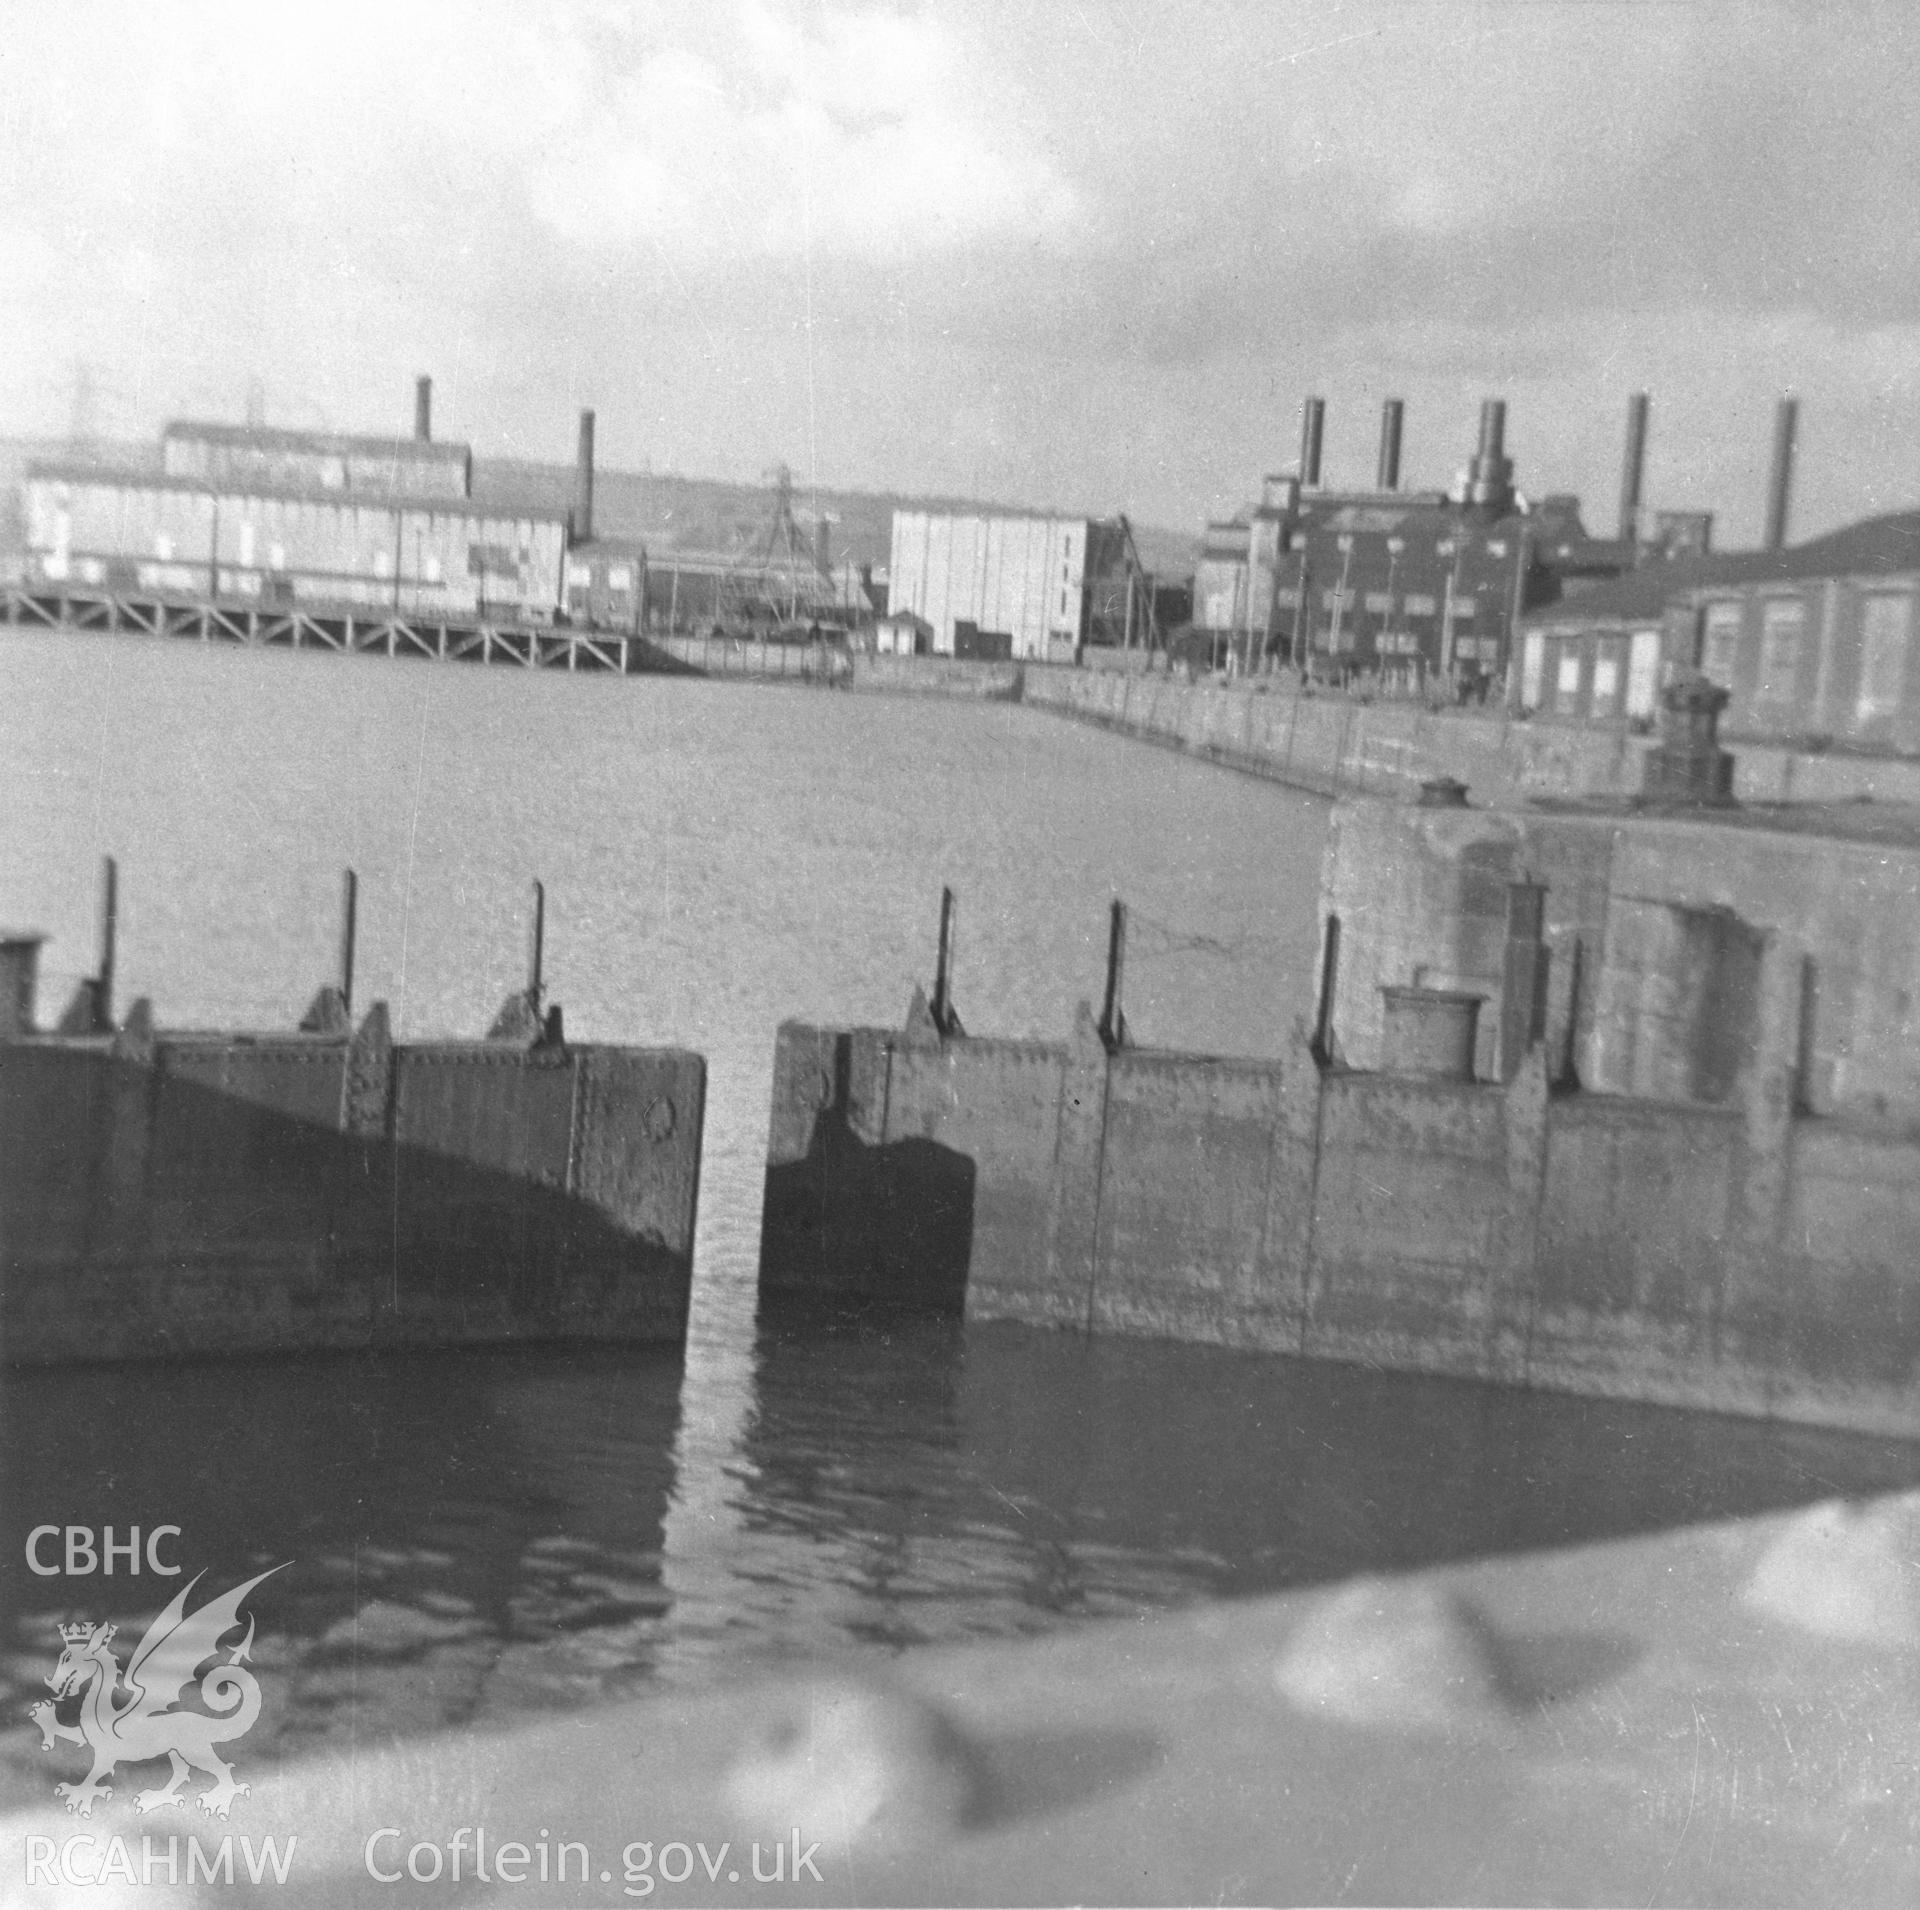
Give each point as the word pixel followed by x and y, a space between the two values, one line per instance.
pixel 478 1535
pixel 481 1534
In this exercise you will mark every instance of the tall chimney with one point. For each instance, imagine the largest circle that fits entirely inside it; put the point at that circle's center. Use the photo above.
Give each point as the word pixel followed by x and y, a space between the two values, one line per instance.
pixel 1633 468
pixel 583 483
pixel 823 546
pixel 423 410
pixel 1490 480
pixel 1780 485
pixel 1493 429
pixel 1313 424
pixel 1392 413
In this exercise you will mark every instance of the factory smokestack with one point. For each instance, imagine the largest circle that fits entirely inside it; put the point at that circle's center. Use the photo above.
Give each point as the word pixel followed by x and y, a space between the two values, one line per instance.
pixel 423 410
pixel 1392 414
pixel 1493 430
pixel 1313 424
pixel 823 546
pixel 1633 468
pixel 1490 478
pixel 1780 484
pixel 583 483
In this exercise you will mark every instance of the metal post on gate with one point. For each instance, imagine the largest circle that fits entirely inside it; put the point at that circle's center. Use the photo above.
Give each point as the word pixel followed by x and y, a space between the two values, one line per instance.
pixel 1113 1019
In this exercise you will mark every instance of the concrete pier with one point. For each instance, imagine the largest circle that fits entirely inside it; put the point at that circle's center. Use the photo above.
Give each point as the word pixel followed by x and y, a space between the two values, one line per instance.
pixel 177 1193
pixel 1673 1160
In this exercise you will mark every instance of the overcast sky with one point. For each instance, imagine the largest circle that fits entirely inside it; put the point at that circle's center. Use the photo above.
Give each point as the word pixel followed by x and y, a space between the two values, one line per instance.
pixel 1086 255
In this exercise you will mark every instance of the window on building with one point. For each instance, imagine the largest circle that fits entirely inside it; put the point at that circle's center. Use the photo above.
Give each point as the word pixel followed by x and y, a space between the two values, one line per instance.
pixel 619 576
pixel 1643 672
pixel 1418 604
pixel 1782 623
pixel 1606 683
pixel 1886 630
pixel 1464 606
pixel 1720 642
pixel 1566 681
pixel 1532 667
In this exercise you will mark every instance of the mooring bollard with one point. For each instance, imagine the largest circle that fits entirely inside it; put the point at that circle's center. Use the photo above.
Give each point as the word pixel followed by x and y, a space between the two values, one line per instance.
pixel 1113 1020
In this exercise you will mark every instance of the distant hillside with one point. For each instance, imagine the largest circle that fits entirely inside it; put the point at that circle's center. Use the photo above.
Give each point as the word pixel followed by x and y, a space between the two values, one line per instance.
pixel 670 512
pixel 665 510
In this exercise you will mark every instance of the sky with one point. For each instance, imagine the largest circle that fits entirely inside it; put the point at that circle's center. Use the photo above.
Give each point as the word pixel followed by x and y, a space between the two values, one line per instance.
pixel 1081 256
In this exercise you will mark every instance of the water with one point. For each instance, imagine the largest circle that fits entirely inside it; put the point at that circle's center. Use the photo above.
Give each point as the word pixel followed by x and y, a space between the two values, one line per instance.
pixel 479 1535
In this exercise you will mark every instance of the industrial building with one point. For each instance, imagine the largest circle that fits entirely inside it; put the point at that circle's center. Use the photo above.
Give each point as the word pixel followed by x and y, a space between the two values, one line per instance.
pixel 1035 588
pixel 1426 582
pixel 993 586
pixel 1814 643
pixel 285 518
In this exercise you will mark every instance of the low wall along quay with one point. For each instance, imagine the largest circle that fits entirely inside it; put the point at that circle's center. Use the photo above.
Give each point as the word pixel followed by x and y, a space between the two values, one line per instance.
pixel 184 1193
pixel 1337 745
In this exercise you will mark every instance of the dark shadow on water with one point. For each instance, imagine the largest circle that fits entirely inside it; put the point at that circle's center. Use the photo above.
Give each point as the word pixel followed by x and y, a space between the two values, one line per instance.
pixel 947 1465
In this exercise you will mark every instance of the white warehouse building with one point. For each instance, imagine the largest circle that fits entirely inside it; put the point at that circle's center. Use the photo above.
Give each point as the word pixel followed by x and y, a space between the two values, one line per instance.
pixel 993 586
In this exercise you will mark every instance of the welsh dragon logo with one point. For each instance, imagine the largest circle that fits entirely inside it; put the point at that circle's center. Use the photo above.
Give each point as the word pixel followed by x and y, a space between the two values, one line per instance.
pixel 147 1722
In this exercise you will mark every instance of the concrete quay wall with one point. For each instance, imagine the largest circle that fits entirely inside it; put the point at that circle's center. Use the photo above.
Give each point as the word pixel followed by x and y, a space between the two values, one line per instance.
pixel 200 1194
pixel 1710 1714
pixel 1337 746
pixel 1723 1258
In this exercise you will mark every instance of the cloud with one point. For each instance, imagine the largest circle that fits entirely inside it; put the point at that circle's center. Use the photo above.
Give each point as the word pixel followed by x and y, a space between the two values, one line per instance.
pixel 1099 249
pixel 842 132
